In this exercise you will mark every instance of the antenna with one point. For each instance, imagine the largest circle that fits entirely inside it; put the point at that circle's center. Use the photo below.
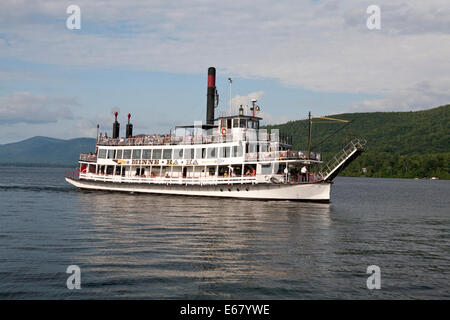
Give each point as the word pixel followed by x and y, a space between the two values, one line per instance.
pixel 253 106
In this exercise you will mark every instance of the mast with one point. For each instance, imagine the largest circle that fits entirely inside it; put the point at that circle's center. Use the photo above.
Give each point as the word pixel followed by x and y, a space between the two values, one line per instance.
pixel 231 81
pixel 309 135
pixel 96 140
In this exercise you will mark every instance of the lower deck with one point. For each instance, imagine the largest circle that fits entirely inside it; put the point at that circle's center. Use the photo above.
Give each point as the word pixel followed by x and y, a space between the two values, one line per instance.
pixel 248 173
pixel 313 191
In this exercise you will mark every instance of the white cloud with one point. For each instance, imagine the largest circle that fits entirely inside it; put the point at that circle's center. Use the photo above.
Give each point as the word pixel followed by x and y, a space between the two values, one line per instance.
pixel 29 108
pixel 245 101
pixel 321 46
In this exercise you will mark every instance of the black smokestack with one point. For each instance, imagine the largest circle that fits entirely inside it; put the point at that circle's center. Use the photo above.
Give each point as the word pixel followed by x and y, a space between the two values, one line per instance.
pixel 116 127
pixel 129 128
pixel 211 93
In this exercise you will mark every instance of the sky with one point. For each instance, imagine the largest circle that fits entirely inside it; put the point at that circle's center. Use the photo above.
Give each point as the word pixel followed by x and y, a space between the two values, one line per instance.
pixel 150 59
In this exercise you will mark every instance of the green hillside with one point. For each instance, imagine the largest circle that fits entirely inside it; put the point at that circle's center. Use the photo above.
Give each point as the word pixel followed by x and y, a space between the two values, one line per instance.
pixel 399 144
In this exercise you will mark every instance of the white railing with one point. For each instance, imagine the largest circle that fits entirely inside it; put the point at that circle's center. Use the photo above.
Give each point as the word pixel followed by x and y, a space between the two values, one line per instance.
pixel 280 155
pixel 88 157
pixel 163 180
pixel 235 134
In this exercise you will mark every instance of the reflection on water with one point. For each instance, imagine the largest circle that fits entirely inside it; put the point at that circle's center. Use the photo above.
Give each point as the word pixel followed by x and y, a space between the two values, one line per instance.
pixel 155 246
pixel 195 246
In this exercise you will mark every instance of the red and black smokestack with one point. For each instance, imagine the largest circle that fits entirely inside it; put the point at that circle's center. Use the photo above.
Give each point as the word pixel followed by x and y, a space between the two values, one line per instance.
pixel 129 128
pixel 211 94
pixel 116 127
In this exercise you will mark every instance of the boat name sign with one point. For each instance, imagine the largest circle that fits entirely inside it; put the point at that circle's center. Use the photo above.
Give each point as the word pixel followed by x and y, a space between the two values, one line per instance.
pixel 159 162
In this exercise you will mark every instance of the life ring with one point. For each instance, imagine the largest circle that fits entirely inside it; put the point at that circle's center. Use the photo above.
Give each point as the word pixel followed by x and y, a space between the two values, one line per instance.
pixel 224 131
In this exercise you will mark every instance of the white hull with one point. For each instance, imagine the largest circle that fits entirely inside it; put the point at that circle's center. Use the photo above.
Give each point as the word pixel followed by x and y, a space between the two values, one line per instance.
pixel 319 191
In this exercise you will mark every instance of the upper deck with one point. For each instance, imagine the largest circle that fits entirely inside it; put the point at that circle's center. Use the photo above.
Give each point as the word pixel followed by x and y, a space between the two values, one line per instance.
pixel 248 143
pixel 199 136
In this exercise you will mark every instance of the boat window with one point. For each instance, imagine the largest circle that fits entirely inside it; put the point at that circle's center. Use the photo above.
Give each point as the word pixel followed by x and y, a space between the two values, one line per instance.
pixel 156 154
pixel 178 154
pixel 109 169
pixel 256 124
pixel 102 153
pixel 189 154
pixel 147 154
pixel 228 123
pixel 200 153
pixel 119 154
pixel 127 154
pixel 225 152
pixel 167 154
pixel 223 123
pixel 111 154
pixel 252 147
pixel 237 151
pixel 235 123
pixel 266 169
pixel 243 123
pixel 212 153
pixel 263 147
pixel 137 154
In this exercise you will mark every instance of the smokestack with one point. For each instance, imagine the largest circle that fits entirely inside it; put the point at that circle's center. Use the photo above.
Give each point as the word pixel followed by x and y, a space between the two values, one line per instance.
pixel 211 94
pixel 129 129
pixel 116 127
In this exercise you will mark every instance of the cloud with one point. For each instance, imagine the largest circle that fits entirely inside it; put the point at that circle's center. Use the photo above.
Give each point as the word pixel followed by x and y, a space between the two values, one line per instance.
pixel 33 109
pixel 421 96
pixel 87 126
pixel 245 101
pixel 319 46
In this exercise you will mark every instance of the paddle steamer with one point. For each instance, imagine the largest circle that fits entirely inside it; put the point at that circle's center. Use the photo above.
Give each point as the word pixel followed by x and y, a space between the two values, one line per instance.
pixel 228 156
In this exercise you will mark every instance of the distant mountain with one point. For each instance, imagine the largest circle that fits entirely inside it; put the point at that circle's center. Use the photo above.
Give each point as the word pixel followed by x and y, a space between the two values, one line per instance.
pixel 45 151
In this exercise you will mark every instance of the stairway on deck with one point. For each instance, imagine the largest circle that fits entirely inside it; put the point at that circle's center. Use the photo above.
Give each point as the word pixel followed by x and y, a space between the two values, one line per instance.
pixel 351 151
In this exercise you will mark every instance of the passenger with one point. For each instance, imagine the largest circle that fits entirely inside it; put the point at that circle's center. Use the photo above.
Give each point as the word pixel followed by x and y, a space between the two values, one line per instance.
pixel 304 171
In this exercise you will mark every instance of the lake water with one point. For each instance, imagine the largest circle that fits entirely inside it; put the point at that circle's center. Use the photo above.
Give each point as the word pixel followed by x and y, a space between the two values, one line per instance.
pixel 157 247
